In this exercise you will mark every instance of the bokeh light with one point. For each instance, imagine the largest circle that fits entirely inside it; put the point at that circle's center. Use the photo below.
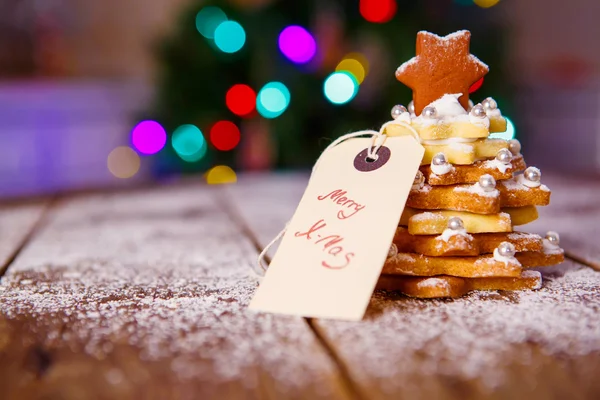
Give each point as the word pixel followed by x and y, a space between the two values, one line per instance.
pixel 486 3
pixel 378 11
pixel 148 137
pixel 508 134
pixel 230 36
pixel 241 100
pixel 224 135
pixel 340 87
pixel 476 86
pixel 355 66
pixel 188 142
pixel 220 174
pixel 272 100
pixel 297 44
pixel 208 19
pixel 123 162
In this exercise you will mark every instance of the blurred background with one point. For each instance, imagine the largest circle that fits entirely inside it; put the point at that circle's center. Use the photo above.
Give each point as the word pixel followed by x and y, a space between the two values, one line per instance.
pixel 123 92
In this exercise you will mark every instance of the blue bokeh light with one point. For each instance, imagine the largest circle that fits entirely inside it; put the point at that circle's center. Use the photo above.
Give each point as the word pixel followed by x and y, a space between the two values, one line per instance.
pixel 189 143
pixel 340 87
pixel 230 36
pixel 272 100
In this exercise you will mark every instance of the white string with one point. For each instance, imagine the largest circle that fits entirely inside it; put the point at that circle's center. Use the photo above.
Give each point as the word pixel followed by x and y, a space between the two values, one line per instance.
pixel 261 256
pixel 378 141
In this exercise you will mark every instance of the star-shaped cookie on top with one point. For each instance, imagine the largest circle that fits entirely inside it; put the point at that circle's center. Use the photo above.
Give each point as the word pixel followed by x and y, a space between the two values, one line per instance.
pixel 442 65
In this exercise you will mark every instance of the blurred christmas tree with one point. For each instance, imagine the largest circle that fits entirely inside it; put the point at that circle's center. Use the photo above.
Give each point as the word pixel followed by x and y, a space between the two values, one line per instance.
pixel 223 53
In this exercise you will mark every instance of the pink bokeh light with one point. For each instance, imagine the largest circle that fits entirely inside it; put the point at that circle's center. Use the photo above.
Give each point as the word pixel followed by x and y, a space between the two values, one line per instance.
pixel 148 137
pixel 297 44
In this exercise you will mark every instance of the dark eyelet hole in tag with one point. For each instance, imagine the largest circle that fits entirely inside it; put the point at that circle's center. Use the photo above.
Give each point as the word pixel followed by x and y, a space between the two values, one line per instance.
pixel 365 164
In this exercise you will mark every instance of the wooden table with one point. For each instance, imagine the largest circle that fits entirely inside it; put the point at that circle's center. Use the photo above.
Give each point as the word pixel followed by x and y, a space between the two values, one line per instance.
pixel 143 294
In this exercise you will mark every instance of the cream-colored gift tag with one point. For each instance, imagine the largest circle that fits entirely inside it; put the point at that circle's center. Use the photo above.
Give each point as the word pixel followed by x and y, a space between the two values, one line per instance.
pixel 332 253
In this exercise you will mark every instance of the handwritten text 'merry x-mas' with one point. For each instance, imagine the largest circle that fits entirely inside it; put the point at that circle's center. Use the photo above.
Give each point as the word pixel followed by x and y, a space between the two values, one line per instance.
pixel 332 244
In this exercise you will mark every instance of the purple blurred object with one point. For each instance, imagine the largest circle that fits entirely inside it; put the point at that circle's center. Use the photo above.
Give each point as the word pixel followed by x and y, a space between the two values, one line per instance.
pixel 56 136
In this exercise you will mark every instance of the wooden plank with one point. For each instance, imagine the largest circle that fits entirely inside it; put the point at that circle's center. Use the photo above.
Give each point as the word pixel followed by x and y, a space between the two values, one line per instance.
pixel 486 345
pixel 16 222
pixel 144 295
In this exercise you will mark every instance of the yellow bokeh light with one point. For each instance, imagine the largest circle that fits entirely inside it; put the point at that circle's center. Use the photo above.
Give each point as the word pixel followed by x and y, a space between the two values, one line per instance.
pixel 220 174
pixel 123 162
pixel 354 67
pixel 356 64
pixel 486 3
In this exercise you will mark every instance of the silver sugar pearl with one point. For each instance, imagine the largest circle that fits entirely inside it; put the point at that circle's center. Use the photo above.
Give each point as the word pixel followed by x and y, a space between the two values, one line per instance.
pixel 455 223
pixel 514 146
pixel 487 182
pixel 398 110
pixel 393 252
pixel 478 111
pixel 411 107
pixel 439 159
pixel 553 237
pixel 419 178
pixel 533 174
pixel 429 112
pixel 490 103
pixel 506 249
pixel 504 156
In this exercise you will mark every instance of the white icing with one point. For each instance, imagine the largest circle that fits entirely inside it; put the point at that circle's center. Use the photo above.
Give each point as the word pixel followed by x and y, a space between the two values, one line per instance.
pixel 551 248
pixel 450 110
pixel 500 166
pixel 514 184
pixel 485 121
pixel 422 188
pixel 462 147
pixel 477 189
pixel 495 113
pixel 544 188
pixel 441 169
pixel 433 283
pixel 441 142
pixel 448 106
pixel 526 182
pixel 506 260
pixel 448 233
pixel 404 117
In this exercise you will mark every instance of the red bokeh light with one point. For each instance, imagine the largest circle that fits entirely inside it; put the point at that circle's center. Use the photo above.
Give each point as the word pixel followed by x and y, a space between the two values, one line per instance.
pixel 241 100
pixel 475 87
pixel 378 11
pixel 224 135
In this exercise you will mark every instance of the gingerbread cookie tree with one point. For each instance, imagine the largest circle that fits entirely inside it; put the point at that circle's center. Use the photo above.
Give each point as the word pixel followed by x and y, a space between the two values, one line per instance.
pixel 457 232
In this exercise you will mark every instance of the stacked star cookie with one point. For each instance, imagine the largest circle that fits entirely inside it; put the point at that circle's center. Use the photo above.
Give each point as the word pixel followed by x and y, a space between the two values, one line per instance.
pixel 459 228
